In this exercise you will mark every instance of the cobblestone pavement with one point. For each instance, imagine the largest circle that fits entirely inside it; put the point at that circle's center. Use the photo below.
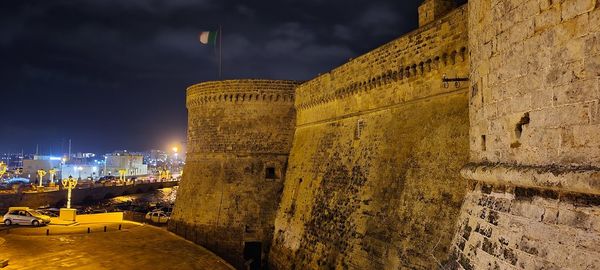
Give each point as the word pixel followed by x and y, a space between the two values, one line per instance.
pixel 137 247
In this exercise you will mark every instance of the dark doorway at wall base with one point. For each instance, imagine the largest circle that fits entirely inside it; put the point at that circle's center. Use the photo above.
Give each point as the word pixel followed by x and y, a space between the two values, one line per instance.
pixel 252 252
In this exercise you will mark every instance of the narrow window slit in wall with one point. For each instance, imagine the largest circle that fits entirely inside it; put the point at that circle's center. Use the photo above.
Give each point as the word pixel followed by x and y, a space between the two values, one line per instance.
pixel 483 147
pixel 270 173
pixel 474 91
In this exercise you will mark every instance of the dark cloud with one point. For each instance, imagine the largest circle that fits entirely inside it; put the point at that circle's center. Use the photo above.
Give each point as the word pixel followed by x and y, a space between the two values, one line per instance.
pixel 378 16
pixel 343 32
pixel 245 11
pixel 112 74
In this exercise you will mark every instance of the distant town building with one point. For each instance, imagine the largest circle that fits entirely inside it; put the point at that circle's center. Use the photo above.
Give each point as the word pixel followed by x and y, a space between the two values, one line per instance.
pixel 84 155
pixel 155 157
pixel 132 162
pixel 31 166
pixel 80 171
pixel 11 159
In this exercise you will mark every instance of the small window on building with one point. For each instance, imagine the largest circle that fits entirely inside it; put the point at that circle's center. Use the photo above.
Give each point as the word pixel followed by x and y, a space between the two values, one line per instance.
pixel 270 173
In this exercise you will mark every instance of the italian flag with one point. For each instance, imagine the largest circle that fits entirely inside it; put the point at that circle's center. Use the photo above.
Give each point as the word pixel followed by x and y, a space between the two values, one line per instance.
pixel 208 37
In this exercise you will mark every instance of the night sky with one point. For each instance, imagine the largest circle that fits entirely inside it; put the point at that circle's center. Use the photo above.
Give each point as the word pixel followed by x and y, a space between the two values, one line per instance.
pixel 111 74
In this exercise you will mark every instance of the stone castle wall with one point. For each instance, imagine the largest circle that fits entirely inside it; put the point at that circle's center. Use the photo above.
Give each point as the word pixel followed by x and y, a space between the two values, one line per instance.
pixel 373 181
pixel 380 144
pixel 534 137
pixel 237 131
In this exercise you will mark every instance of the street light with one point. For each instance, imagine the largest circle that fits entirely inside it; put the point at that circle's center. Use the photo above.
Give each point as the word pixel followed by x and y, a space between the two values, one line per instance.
pixel 41 174
pixel 122 173
pixel 69 184
pixel 3 169
pixel 52 173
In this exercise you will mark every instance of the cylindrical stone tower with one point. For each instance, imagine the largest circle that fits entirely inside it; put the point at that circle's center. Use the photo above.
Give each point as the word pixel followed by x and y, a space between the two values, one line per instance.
pixel 239 138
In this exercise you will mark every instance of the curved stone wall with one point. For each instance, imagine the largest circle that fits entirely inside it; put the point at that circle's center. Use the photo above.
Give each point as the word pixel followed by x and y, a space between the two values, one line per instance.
pixel 240 116
pixel 239 137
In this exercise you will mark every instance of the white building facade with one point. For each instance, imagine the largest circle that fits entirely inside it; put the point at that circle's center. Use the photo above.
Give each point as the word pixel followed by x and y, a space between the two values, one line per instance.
pixel 80 171
pixel 132 163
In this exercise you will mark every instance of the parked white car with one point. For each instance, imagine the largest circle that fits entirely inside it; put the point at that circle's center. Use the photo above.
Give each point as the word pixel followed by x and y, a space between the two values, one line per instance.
pixel 157 217
pixel 24 216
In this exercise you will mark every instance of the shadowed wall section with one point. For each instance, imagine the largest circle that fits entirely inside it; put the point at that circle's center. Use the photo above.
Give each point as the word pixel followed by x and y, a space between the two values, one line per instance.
pixel 239 137
pixel 373 181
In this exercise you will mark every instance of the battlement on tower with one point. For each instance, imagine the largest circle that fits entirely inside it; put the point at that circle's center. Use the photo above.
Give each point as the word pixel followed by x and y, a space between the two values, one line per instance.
pixel 247 90
pixel 432 10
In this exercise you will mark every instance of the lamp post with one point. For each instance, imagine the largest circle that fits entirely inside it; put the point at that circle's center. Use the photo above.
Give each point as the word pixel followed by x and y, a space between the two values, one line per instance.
pixel 122 173
pixel 69 184
pixel 41 174
pixel 3 169
pixel 52 173
pixel 164 174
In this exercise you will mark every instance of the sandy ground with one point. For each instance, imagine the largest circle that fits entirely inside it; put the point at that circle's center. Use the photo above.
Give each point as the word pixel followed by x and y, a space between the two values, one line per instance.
pixel 135 246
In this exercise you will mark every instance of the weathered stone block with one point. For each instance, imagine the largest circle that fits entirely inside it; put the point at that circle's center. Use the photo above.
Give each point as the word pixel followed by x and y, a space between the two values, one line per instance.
pixel 588 241
pixel 527 210
pixel 576 92
pixel 574 218
pixel 586 135
pixel 575 114
pixel 550 215
pixel 547 4
pixel 592 71
pixel 541 99
pixel 595 112
pixel 572 8
pixel 548 18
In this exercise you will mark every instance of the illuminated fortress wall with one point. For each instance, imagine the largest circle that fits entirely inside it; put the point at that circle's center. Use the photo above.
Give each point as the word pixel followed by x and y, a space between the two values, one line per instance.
pixel 534 137
pixel 373 180
pixel 239 137
pixel 379 145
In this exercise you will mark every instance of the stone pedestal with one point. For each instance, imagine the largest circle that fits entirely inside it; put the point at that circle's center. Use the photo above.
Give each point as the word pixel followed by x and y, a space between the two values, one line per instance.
pixel 68 214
